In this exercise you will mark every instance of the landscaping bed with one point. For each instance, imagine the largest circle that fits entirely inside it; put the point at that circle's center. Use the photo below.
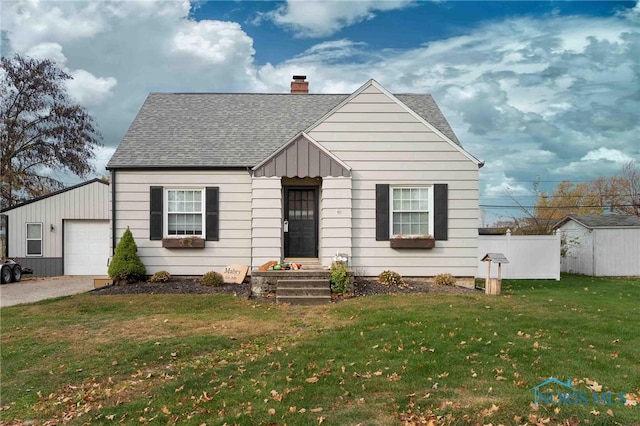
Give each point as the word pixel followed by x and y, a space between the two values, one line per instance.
pixel 363 286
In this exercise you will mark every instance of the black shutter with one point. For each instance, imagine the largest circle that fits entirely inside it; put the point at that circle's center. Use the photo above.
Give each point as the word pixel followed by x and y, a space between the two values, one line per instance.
pixel 212 214
pixel 440 212
pixel 155 213
pixel 382 212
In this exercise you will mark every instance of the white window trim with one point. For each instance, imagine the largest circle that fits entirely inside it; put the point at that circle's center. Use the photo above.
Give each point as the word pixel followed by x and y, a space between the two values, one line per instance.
pixel 165 211
pixel 429 206
pixel 27 239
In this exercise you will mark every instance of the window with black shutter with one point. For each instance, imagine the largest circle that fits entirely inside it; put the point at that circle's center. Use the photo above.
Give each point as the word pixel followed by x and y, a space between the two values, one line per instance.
pixel 411 212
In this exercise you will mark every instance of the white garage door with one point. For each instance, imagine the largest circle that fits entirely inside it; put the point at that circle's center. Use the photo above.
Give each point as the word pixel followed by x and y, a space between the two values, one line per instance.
pixel 86 247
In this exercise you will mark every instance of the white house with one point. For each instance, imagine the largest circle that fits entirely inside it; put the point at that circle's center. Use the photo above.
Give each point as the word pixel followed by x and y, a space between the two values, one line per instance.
pixel 205 180
pixel 62 233
pixel 601 245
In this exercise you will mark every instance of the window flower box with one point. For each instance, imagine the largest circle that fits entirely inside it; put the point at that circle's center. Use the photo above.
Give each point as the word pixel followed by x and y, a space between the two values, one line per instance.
pixel 188 242
pixel 412 243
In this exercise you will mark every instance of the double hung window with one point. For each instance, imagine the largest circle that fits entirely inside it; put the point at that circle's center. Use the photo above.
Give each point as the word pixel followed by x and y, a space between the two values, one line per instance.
pixel 185 212
pixel 411 209
pixel 34 239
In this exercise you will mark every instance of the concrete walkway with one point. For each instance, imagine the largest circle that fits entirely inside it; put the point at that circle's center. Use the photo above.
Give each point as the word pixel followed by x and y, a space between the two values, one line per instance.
pixel 33 289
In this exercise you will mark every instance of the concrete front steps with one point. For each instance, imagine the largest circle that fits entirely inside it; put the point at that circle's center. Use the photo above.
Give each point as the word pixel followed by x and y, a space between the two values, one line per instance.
pixel 303 291
pixel 307 286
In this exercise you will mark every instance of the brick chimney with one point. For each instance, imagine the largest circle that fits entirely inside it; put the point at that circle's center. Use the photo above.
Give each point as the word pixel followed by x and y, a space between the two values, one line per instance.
pixel 299 85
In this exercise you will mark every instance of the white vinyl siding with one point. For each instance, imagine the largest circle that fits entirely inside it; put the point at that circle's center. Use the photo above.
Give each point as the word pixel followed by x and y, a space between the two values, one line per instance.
pixel 385 144
pixel 335 218
pixel 266 214
pixel 34 239
pixel 184 212
pixel 234 244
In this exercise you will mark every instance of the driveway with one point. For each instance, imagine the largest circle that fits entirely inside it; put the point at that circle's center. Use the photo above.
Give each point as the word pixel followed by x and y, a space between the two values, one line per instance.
pixel 33 289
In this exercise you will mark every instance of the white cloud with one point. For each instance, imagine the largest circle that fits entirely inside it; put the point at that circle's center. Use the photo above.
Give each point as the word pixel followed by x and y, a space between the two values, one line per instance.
pixel 325 18
pixel 88 90
pixel 214 42
pixel 84 87
pixel 606 154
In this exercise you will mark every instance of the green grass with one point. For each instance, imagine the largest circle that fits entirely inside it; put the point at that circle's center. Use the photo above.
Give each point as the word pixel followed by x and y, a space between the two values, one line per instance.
pixel 381 360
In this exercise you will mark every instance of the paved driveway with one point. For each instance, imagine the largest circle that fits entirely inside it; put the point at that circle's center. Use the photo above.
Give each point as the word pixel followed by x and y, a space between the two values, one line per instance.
pixel 33 289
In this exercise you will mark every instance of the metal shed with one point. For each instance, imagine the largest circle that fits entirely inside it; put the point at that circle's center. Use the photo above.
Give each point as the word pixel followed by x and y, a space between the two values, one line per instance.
pixel 62 233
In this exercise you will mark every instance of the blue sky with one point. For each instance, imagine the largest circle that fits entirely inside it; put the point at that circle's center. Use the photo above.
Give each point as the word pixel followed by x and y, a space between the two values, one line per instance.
pixel 539 90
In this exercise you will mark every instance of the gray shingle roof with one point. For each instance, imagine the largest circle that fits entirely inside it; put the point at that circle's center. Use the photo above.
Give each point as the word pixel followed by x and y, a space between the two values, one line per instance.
pixel 604 220
pixel 203 130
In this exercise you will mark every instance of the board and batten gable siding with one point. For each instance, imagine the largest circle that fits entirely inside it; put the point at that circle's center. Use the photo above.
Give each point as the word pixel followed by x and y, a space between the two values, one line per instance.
pixel 84 202
pixel 385 144
pixel 234 243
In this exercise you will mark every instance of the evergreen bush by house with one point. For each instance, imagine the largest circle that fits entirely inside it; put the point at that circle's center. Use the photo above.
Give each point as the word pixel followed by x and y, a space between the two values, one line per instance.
pixel 126 266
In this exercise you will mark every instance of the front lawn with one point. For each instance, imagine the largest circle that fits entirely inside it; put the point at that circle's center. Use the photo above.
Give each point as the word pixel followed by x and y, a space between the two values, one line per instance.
pixel 379 360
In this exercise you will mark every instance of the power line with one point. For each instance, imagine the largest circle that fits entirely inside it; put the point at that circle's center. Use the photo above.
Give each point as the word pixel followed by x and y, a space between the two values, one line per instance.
pixel 490 206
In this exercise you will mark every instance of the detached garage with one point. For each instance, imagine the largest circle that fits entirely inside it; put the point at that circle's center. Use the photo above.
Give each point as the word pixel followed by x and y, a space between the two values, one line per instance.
pixel 62 233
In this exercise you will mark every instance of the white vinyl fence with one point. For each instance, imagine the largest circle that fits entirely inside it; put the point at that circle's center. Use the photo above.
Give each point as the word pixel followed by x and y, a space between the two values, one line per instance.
pixel 530 256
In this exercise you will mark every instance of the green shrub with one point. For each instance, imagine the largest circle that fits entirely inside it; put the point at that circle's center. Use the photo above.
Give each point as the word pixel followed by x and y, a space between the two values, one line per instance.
pixel 213 279
pixel 390 278
pixel 160 277
pixel 339 278
pixel 126 266
pixel 444 279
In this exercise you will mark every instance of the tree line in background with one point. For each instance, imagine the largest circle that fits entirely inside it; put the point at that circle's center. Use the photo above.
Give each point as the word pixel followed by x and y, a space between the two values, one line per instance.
pixel 618 194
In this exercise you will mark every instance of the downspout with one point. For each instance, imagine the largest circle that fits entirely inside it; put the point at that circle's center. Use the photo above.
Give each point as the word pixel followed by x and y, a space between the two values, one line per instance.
pixel 113 211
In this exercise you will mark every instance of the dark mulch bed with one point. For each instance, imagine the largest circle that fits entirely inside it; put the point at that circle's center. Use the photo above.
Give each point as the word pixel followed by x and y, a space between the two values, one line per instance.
pixel 362 287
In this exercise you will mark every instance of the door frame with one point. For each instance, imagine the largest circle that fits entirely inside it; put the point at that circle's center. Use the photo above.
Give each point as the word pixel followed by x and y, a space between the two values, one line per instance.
pixel 316 215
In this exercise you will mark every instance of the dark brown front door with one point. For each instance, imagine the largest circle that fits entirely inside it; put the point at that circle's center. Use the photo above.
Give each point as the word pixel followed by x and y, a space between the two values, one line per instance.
pixel 301 222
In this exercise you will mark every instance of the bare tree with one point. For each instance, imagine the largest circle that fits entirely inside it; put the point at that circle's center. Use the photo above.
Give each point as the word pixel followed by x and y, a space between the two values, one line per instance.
pixel 42 130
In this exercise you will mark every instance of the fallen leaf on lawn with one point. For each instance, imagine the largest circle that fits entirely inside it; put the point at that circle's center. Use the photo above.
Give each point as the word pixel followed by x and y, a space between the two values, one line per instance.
pixel 630 400
pixel 594 412
pixel 593 385
pixel 609 412
pixel 316 410
pixel 272 411
pixel 302 410
pixel 394 377
pixel 180 389
pixel 489 411
pixel 313 379
pixel 165 410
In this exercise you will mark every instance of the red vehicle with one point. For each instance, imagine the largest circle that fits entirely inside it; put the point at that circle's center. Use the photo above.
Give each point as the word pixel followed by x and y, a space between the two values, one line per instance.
pixel 11 271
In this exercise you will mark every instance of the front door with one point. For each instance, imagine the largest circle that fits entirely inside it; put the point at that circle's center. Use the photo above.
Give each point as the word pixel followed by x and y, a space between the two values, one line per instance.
pixel 300 222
